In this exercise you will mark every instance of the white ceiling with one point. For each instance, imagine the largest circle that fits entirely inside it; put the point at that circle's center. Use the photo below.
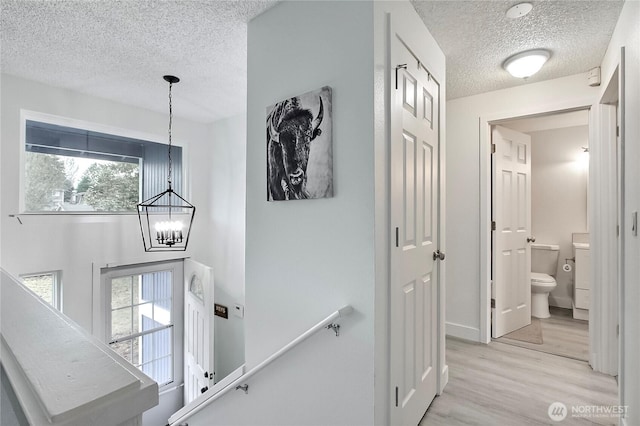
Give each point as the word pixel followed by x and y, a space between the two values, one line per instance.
pixel 120 49
pixel 476 37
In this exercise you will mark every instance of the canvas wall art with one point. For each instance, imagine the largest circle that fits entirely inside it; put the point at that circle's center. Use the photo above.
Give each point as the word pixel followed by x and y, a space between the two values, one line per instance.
pixel 299 147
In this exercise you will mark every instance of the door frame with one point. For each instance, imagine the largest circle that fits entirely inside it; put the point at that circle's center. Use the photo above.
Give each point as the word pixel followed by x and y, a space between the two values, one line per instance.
pixel 606 357
pixel 485 125
pixel 598 286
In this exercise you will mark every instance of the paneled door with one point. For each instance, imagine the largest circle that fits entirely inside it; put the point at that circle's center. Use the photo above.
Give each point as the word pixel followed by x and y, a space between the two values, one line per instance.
pixel 414 229
pixel 511 269
pixel 198 323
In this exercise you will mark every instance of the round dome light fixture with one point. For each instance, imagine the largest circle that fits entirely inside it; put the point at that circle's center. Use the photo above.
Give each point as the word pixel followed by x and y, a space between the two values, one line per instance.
pixel 526 64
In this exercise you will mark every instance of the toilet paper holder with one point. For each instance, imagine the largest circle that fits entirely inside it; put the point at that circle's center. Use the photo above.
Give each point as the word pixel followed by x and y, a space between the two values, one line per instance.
pixel 566 267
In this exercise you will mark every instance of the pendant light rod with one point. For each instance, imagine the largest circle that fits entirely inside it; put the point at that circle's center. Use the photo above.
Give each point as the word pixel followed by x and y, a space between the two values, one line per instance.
pixel 171 79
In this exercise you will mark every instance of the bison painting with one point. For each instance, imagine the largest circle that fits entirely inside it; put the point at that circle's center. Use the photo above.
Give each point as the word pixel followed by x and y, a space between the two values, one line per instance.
pixel 299 147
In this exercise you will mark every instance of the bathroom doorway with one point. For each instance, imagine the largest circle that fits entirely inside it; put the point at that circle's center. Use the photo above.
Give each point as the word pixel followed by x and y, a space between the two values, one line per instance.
pixel 556 225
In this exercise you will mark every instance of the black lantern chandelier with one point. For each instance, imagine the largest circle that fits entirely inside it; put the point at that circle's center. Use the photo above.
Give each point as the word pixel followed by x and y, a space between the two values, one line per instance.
pixel 166 218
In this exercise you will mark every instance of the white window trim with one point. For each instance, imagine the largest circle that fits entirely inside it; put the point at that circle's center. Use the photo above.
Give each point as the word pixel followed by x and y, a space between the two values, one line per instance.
pixel 57 286
pixel 42 117
pixel 102 329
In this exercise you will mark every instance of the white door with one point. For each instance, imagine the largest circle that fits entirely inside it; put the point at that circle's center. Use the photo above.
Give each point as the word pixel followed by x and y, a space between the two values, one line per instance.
pixel 511 268
pixel 414 222
pixel 198 323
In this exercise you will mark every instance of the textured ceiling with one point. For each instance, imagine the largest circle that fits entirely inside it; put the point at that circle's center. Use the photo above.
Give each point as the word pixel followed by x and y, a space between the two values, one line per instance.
pixel 120 49
pixel 477 37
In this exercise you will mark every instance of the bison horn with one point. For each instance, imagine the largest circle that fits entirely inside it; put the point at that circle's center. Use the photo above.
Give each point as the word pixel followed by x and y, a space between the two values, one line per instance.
pixel 273 134
pixel 318 120
pixel 274 120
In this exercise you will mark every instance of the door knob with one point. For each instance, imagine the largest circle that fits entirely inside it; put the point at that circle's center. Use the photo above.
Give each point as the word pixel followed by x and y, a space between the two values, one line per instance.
pixel 438 255
pixel 531 239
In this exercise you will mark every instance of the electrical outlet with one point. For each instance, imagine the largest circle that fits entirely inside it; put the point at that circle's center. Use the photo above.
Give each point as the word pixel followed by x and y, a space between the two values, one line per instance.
pixel 238 310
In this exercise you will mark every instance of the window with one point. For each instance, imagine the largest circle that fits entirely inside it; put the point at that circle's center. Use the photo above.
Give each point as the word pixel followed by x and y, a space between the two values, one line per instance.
pixel 45 285
pixel 141 317
pixel 74 169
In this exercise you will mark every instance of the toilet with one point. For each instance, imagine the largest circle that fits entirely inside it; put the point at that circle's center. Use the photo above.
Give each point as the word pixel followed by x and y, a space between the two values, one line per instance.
pixel 544 263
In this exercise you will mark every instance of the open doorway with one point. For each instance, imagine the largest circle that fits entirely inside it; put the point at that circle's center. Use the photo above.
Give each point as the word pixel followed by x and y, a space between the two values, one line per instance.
pixel 605 202
pixel 540 241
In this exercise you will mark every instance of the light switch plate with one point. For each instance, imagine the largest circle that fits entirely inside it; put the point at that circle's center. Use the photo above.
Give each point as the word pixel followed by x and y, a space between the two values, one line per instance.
pixel 238 310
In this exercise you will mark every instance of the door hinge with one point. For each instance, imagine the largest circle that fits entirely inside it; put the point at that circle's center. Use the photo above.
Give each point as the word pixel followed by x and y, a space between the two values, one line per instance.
pixel 493 225
pixel 396 396
pixel 403 67
pixel 617 130
pixel 493 303
pixel 493 148
pixel 617 230
pixel 397 236
pixel 618 330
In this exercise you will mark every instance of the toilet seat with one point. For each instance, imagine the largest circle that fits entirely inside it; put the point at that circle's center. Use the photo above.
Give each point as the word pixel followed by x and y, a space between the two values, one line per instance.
pixel 540 277
pixel 542 280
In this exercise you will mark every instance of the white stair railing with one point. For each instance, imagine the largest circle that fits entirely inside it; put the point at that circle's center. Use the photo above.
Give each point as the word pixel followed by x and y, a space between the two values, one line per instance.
pixel 215 393
pixel 60 374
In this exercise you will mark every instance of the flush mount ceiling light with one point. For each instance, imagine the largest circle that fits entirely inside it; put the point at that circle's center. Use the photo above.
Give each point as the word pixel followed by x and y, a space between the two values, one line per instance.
pixel 166 218
pixel 526 64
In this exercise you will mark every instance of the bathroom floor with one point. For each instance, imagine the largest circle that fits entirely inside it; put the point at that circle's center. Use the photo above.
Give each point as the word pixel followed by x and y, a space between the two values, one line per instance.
pixel 561 334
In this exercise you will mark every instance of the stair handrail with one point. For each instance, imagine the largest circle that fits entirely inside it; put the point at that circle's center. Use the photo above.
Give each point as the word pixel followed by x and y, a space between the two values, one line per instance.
pixel 199 404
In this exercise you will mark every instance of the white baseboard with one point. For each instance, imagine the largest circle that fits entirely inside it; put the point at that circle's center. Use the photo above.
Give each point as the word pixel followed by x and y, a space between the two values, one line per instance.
pixel 581 314
pixel 463 332
pixel 444 379
pixel 561 301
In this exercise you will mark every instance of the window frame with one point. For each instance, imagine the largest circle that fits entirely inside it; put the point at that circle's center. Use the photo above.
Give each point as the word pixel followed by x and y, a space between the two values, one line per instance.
pixel 175 266
pixel 28 115
pixel 56 296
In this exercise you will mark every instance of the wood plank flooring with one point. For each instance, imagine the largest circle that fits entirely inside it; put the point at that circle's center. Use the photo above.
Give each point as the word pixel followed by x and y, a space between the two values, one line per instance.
pixel 500 384
pixel 561 335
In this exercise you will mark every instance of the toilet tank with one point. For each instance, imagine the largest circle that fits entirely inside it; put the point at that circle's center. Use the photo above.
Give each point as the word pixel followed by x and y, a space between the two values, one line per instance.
pixel 544 258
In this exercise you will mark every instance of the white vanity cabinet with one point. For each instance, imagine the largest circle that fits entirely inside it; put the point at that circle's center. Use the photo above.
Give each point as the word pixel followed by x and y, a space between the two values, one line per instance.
pixel 581 291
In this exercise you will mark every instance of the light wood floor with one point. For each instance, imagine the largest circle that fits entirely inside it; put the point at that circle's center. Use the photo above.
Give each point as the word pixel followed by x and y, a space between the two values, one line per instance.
pixel 500 384
pixel 561 335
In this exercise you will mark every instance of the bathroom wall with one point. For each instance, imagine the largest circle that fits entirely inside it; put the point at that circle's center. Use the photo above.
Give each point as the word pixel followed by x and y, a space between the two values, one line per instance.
pixel 559 170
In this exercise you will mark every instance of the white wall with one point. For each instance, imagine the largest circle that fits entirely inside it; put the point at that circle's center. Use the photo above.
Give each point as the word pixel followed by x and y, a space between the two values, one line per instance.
pixel 627 34
pixel 227 214
pixel 463 175
pixel 559 197
pixel 74 243
pixel 304 259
